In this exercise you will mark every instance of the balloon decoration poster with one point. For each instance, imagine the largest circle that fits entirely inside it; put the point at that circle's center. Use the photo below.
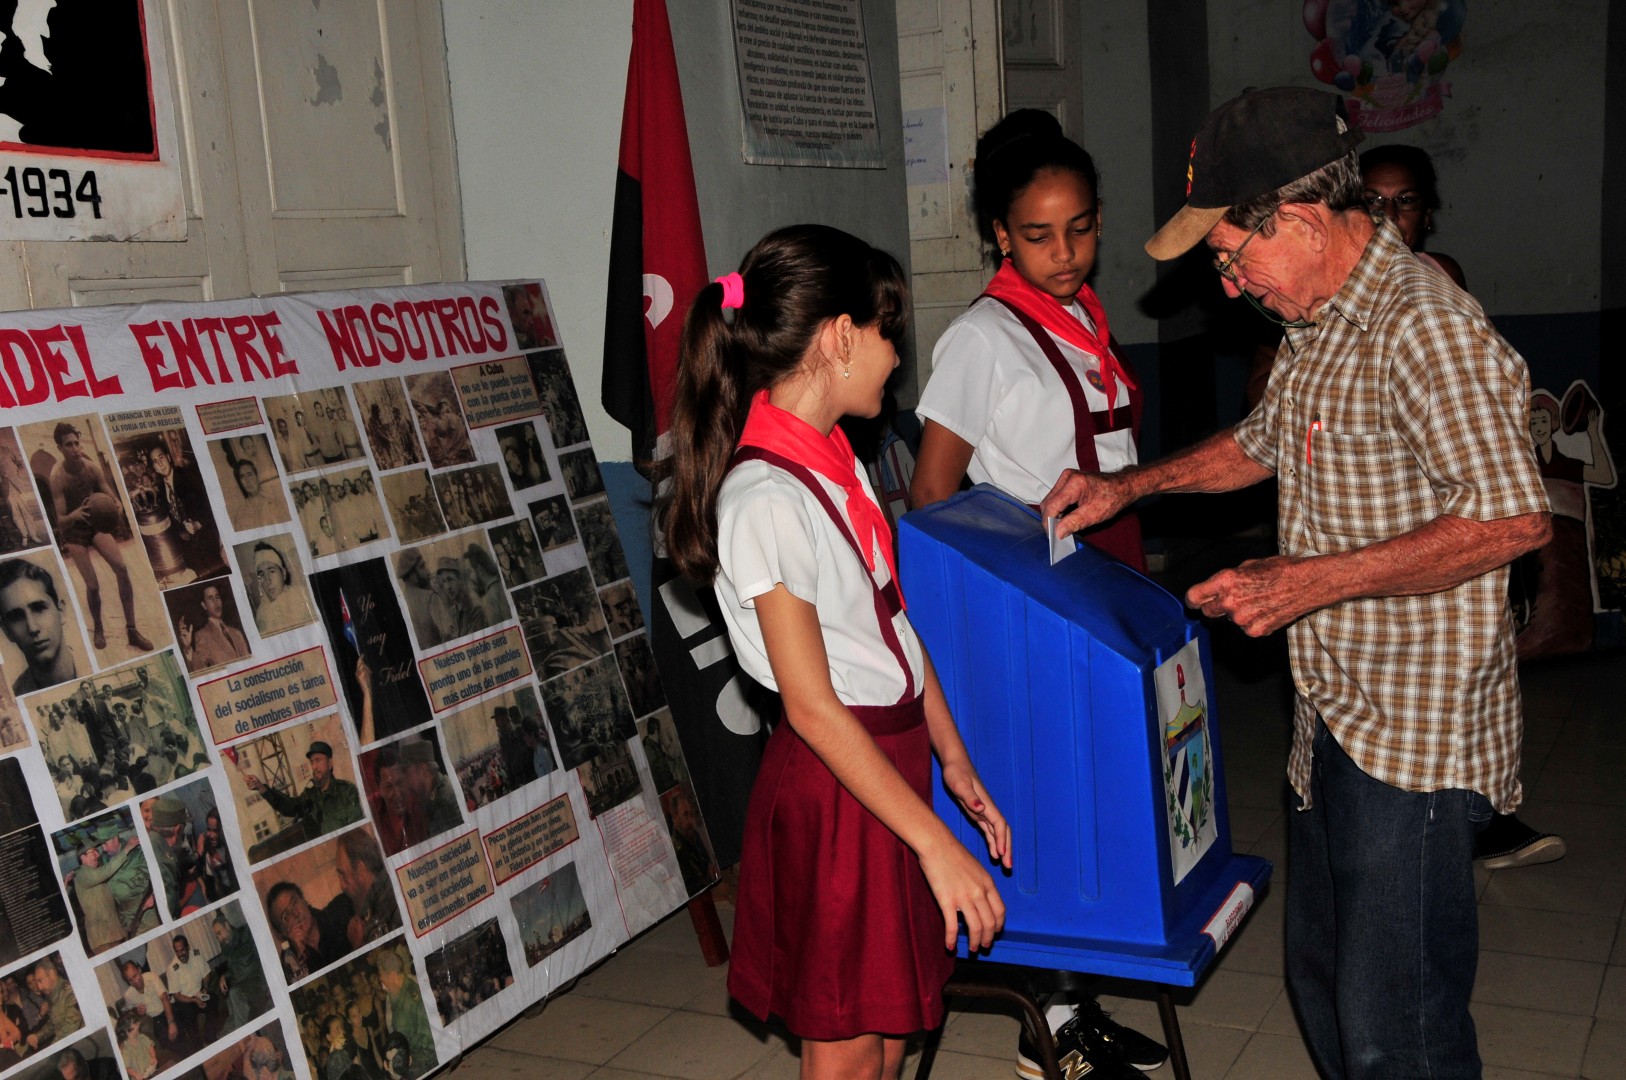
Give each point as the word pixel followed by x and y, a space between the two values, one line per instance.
pixel 1389 58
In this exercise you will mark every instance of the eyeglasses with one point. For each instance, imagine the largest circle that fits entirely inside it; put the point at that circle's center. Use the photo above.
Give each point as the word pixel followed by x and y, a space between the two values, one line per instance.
pixel 1227 267
pixel 1404 203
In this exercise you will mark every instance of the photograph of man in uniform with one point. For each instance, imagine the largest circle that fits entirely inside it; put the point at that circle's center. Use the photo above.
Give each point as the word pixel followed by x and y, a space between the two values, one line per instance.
pixel 207 625
pixel 472 496
pixel 275 581
pixel 440 418
pixel 385 415
pixel 413 506
pixel 42 632
pixel 518 557
pixel 602 540
pixel 582 478
pixel 324 805
pixel 326 901
pixel 562 623
pixel 403 1034
pixel 75 475
pixel 589 711
pixel 551 373
pixel 106 876
pixel 60 1016
pixel 248 483
pixel 463 595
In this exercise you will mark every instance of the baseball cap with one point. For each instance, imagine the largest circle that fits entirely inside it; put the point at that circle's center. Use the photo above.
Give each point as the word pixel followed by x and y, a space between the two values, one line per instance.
pixel 1248 147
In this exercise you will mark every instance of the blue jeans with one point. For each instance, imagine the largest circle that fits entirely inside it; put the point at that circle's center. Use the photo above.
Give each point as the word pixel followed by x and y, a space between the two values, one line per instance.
pixel 1382 928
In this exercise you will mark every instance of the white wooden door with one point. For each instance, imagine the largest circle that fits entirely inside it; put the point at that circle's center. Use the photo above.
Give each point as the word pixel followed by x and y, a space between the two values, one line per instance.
pixel 317 153
pixel 950 69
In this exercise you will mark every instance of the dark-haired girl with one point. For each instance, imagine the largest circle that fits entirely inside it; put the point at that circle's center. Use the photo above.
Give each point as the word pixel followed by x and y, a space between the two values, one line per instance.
pixel 1026 384
pixel 850 887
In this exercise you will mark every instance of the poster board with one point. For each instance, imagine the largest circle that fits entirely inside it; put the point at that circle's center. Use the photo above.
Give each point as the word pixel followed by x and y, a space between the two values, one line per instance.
pixel 328 720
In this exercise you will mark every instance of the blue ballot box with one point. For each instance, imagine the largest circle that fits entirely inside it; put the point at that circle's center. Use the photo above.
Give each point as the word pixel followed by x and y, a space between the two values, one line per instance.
pixel 1084 693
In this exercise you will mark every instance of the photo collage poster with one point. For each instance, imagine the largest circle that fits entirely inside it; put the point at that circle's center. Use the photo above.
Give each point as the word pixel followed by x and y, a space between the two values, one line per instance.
pixel 330 734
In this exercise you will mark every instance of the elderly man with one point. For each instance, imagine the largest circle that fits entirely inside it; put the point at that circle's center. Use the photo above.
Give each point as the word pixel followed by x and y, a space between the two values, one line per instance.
pixel 62 1015
pixel 247 994
pixel 367 884
pixel 1394 425
pixel 328 803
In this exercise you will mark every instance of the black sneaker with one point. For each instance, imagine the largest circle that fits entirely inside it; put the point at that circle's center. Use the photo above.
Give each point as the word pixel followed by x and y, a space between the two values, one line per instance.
pixel 1141 1051
pixel 1080 1053
pixel 1508 842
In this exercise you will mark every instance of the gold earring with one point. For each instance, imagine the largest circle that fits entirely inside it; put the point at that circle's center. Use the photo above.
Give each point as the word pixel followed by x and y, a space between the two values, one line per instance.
pixel 847 361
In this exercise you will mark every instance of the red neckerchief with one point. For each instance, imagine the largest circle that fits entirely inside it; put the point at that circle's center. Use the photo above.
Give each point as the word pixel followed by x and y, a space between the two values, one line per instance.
pixel 831 456
pixel 1010 286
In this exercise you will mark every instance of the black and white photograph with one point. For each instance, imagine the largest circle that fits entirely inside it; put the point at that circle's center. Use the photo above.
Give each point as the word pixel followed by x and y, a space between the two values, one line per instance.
pixel 551 373
pixel 498 746
pixel 43 645
pixel 79 85
pixel 554 526
pixel 662 751
pixel 274 578
pixel 105 875
pixel 75 472
pixel 413 505
pixel 588 710
pixel 522 455
pixel 452 588
pixel 170 500
pixel 387 418
pixel 621 610
pixel 609 778
pixel 313 429
pixel 208 625
pixel 440 419
pixel 248 483
pixel 22 519
pixel 562 623
pixel 602 540
pixel 551 914
pixel 518 557
pixel 582 478
pixel 637 663
pixel 472 496
pixel 468 970
pixel 119 734
pixel 339 511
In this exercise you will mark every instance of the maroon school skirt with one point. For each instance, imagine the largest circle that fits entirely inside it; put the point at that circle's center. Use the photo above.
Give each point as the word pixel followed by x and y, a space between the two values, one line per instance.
pixel 836 931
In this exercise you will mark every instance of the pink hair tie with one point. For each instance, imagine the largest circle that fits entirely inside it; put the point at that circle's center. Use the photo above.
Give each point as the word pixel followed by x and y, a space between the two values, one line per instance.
pixel 733 290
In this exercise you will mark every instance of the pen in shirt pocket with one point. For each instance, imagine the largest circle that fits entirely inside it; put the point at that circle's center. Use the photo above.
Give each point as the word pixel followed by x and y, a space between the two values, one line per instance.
pixel 1309 436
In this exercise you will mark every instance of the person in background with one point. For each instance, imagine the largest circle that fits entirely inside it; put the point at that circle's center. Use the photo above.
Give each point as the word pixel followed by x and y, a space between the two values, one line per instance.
pixel 1025 384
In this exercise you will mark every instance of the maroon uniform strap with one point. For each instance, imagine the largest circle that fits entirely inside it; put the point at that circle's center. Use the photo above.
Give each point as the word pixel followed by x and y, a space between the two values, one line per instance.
pixel 888 601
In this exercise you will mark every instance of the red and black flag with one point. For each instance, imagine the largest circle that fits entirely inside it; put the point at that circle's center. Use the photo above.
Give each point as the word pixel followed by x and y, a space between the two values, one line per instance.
pixel 657 266
pixel 657 257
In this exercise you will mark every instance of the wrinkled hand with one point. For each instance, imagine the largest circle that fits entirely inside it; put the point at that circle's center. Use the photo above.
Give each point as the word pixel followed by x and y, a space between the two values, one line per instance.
pixel 963 889
pixel 965 785
pixel 1261 596
pixel 1097 497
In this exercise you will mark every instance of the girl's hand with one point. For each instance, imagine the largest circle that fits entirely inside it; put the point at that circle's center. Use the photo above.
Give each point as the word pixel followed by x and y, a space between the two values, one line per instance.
pixel 964 889
pixel 965 785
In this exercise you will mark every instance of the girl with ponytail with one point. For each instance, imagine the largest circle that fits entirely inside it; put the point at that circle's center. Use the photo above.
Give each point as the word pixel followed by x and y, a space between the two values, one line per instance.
pixel 851 889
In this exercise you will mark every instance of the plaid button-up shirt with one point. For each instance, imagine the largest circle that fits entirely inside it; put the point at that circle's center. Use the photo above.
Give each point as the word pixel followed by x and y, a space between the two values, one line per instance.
pixel 1400 405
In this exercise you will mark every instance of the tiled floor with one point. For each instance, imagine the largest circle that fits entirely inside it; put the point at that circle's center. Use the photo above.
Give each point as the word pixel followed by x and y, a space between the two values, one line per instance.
pixel 1551 997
